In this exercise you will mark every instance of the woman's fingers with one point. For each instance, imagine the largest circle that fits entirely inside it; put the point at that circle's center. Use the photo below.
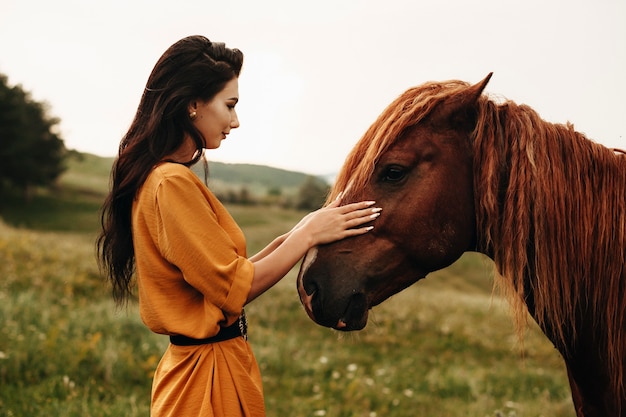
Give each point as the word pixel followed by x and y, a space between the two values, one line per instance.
pixel 336 202
pixel 361 211
pixel 342 222
pixel 361 217
pixel 357 214
pixel 335 222
pixel 356 206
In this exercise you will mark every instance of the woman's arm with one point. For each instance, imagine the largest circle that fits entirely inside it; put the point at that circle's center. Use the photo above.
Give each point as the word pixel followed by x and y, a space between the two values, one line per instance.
pixel 280 239
pixel 326 225
pixel 269 248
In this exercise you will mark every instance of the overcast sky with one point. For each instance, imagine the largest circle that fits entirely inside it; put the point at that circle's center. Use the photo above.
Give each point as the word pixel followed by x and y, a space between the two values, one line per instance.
pixel 316 74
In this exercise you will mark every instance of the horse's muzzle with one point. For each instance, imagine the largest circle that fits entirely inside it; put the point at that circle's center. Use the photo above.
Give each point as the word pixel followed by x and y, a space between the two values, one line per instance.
pixel 354 317
pixel 346 312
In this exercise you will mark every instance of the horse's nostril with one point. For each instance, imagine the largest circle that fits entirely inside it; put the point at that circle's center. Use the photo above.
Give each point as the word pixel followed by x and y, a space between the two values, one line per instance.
pixel 306 297
pixel 355 315
pixel 311 288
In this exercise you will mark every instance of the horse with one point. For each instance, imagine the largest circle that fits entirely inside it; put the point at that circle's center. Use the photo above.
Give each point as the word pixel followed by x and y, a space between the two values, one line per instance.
pixel 456 170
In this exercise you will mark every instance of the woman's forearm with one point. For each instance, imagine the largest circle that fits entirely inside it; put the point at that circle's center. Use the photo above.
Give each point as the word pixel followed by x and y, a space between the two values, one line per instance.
pixel 277 262
pixel 269 248
pixel 326 225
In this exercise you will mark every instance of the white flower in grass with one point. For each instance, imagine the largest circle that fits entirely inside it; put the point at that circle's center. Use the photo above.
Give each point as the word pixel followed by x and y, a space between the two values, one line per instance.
pixel 68 382
pixel 352 367
pixel 319 413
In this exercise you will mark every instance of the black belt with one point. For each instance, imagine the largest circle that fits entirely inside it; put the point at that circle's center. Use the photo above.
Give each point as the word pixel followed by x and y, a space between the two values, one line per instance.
pixel 237 329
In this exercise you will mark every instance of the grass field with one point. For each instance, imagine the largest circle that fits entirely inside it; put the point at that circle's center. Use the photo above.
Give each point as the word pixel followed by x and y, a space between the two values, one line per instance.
pixel 443 347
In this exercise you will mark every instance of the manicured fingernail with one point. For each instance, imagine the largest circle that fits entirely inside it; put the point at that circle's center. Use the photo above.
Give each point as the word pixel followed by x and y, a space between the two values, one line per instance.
pixel 370 203
pixel 377 209
pixel 339 195
pixel 373 216
pixel 368 228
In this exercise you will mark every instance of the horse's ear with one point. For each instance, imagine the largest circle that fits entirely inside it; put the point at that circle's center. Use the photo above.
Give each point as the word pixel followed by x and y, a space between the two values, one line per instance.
pixel 477 89
pixel 460 108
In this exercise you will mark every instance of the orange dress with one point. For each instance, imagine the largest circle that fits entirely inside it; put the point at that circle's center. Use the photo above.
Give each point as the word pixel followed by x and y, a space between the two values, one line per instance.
pixel 194 277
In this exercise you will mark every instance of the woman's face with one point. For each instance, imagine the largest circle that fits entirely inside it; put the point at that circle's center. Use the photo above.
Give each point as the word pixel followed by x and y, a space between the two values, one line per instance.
pixel 216 117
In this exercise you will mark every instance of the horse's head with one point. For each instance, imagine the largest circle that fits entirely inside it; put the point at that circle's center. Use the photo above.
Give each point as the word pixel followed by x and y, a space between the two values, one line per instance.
pixel 415 161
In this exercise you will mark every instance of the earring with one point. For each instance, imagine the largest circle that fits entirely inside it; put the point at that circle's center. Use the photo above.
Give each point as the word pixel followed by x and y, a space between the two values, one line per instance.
pixel 193 115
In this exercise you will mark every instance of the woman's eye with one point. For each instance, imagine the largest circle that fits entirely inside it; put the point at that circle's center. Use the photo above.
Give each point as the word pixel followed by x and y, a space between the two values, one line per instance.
pixel 393 174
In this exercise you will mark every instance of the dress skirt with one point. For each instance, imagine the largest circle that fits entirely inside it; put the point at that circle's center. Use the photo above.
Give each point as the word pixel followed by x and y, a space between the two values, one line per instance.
pixel 217 379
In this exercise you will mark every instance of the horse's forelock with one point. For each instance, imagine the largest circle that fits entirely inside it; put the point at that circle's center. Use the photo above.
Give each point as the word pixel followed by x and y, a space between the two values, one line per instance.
pixel 405 111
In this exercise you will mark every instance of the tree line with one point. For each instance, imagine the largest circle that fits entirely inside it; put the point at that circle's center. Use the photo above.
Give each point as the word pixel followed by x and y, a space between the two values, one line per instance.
pixel 33 154
pixel 311 195
pixel 32 151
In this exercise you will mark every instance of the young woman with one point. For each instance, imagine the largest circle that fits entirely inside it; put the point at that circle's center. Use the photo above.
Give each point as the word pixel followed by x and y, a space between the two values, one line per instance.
pixel 163 225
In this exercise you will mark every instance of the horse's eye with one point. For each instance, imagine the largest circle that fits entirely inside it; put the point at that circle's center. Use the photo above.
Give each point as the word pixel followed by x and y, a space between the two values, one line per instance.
pixel 393 173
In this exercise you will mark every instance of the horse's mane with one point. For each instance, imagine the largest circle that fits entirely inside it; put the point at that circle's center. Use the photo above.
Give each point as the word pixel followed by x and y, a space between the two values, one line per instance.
pixel 551 206
pixel 550 209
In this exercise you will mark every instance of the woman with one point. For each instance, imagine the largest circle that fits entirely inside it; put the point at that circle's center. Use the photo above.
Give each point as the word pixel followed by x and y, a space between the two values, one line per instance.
pixel 189 255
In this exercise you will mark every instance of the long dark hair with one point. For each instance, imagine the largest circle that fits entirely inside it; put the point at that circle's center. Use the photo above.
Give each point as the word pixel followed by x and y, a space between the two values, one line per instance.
pixel 193 68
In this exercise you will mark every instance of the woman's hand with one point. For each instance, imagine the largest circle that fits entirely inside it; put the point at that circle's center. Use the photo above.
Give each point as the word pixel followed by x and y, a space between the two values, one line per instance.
pixel 325 225
pixel 335 222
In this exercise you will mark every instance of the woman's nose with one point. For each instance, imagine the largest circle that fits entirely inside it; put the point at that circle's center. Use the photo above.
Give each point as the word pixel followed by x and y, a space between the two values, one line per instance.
pixel 234 122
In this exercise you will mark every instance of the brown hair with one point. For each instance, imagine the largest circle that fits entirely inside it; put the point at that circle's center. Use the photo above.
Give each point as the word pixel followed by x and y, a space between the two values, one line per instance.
pixel 193 68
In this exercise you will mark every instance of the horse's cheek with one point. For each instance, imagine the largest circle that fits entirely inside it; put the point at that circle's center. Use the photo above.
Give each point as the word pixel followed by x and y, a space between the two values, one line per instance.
pixel 437 243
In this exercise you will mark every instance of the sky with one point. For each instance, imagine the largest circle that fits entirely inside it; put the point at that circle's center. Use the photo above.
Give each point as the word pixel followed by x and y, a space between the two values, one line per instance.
pixel 316 74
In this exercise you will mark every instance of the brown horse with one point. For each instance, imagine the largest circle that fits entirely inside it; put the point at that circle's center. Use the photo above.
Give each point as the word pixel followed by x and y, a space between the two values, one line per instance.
pixel 457 171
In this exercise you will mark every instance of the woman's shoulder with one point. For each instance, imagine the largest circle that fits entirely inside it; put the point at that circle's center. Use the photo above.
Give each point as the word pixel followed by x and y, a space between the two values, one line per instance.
pixel 172 176
pixel 171 170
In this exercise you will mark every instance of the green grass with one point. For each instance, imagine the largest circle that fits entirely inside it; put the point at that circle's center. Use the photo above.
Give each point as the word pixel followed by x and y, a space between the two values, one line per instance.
pixel 73 205
pixel 87 172
pixel 443 347
pixel 60 209
pixel 429 351
pixel 434 350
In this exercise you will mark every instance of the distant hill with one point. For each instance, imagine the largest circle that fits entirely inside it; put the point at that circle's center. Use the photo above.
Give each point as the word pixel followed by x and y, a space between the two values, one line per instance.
pixel 74 202
pixel 254 177
pixel 93 171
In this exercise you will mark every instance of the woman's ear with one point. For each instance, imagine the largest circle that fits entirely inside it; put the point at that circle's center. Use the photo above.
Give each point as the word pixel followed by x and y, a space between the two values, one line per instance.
pixel 191 110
